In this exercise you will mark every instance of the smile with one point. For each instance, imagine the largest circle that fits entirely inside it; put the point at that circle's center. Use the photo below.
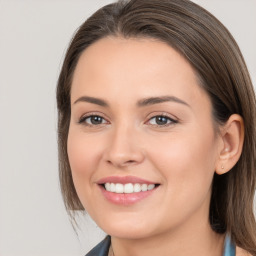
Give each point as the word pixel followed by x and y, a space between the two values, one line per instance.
pixel 126 190
pixel 128 187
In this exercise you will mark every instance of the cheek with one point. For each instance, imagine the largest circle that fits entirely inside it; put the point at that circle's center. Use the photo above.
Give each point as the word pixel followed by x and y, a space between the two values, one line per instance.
pixel 183 153
pixel 83 151
pixel 84 155
pixel 187 163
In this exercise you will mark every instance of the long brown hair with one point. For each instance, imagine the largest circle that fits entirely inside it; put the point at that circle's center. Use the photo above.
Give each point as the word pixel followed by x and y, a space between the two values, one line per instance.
pixel 222 72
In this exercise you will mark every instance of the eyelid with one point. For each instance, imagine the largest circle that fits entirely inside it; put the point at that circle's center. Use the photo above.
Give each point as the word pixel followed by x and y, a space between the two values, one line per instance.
pixel 89 114
pixel 173 119
pixel 165 114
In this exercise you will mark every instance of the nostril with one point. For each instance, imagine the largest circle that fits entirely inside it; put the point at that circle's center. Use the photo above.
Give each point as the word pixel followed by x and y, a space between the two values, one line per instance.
pixel 127 163
pixel 130 161
pixel 121 163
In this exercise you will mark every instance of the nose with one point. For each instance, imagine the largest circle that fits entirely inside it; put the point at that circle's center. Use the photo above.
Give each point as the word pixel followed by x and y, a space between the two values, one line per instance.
pixel 124 147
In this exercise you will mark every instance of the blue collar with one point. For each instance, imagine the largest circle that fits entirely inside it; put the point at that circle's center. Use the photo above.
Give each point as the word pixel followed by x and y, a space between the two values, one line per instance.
pixel 229 247
pixel 102 248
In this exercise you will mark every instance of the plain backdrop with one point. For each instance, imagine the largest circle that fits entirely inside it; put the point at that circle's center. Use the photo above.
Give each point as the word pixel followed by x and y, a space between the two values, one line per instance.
pixel 33 38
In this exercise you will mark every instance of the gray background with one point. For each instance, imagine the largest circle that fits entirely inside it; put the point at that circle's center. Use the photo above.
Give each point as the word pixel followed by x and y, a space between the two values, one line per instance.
pixel 33 38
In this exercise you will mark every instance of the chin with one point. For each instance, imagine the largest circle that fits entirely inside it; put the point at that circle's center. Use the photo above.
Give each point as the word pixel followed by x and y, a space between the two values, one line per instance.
pixel 128 230
pixel 129 233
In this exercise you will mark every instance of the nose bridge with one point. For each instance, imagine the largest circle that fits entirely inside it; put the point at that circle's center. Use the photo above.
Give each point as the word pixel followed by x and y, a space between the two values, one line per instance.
pixel 124 148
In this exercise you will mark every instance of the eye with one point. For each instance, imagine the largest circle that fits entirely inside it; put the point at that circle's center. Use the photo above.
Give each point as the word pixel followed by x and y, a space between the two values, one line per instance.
pixel 92 120
pixel 161 120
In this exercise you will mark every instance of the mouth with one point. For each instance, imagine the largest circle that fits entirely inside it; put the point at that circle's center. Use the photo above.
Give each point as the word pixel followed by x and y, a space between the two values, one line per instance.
pixel 128 188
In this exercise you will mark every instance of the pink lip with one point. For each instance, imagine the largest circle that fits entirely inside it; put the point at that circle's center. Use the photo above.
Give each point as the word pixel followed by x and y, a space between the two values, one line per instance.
pixel 124 180
pixel 125 199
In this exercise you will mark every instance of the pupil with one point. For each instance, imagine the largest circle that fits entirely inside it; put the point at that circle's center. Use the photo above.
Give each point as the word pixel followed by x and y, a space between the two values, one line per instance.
pixel 161 120
pixel 96 120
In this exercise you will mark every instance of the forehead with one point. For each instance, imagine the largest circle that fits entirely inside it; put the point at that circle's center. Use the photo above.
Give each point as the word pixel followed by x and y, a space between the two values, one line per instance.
pixel 116 66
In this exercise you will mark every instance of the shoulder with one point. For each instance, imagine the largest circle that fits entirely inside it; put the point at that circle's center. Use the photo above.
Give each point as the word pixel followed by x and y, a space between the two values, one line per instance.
pixel 242 252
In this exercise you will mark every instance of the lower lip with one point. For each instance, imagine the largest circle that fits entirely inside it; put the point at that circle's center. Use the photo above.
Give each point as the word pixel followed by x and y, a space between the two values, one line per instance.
pixel 126 199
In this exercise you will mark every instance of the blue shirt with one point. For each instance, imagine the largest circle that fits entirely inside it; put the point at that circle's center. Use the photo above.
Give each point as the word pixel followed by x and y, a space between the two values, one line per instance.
pixel 229 247
pixel 103 247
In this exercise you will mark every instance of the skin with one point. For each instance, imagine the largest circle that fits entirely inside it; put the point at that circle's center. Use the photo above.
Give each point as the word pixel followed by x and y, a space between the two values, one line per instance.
pixel 181 156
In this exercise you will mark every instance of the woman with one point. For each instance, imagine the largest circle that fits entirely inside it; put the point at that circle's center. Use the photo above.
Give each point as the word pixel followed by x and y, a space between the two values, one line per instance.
pixel 157 131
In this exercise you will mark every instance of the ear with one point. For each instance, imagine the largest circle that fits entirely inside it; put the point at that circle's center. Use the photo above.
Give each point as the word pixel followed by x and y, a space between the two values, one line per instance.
pixel 232 137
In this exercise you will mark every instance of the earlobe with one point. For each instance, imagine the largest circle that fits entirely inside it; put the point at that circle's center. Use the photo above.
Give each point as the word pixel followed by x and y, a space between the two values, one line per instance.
pixel 232 135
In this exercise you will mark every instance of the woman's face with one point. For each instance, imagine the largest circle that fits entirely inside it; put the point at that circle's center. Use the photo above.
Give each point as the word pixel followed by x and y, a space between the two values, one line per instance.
pixel 138 116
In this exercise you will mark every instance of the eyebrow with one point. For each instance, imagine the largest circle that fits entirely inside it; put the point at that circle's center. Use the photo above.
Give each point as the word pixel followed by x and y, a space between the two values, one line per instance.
pixel 140 103
pixel 157 100
pixel 92 100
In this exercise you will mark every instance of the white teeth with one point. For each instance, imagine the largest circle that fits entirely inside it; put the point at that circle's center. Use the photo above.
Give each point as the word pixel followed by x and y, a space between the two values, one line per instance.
pixel 137 187
pixel 119 188
pixel 128 188
pixel 151 186
pixel 144 187
pixel 113 187
pixel 107 186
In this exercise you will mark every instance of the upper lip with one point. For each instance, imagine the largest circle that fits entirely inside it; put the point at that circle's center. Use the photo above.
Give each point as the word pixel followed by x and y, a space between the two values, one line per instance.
pixel 124 180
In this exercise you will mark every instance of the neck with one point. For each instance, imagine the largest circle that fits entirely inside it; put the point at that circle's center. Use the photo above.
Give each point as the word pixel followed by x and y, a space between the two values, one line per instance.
pixel 199 241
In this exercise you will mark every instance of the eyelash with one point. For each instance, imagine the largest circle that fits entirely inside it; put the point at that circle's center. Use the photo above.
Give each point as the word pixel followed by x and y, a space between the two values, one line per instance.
pixel 168 119
pixel 84 118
